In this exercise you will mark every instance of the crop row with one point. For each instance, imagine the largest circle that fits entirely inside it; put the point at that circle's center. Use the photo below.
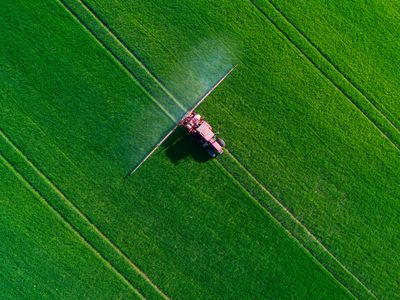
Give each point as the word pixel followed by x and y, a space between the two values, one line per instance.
pixel 80 224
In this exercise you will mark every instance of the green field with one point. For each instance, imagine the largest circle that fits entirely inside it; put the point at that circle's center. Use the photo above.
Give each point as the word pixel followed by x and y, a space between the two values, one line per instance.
pixel 303 204
pixel 46 258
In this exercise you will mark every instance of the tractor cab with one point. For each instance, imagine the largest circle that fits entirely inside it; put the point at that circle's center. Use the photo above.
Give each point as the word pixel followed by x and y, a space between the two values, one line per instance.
pixel 203 133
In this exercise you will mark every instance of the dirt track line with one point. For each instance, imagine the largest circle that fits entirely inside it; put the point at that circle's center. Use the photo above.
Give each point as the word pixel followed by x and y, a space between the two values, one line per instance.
pixel 76 210
pixel 131 53
pixel 282 226
pixel 336 67
pixel 293 218
pixel 123 66
pixel 69 225
pixel 362 110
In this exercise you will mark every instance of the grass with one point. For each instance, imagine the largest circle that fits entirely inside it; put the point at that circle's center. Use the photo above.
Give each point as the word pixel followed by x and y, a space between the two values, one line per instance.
pixel 268 202
pixel 360 40
pixel 44 258
pixel 54 198
pixel 330 70
pixel 186 222
pixel 126 58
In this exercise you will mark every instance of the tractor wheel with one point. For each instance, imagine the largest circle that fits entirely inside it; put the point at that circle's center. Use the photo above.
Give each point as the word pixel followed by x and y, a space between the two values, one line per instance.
pixel 221 142
pixel 211 152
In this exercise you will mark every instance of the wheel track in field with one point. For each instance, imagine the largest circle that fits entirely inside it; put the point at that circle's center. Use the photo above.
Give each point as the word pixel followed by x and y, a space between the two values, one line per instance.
pixel 336 67
pixel 303 233
pixel 132 54
pixel 262 206
pixel 68 224
pixel 120 62
pixel 330 72
pixel 79 214
pixel 299 232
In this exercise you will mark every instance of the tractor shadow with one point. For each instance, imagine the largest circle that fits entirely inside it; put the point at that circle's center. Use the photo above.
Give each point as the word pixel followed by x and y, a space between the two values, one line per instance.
pixel 181 145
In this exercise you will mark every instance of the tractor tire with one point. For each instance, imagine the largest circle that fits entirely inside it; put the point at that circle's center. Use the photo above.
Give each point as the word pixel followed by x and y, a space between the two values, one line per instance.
pixel 221 142
pixel 211 152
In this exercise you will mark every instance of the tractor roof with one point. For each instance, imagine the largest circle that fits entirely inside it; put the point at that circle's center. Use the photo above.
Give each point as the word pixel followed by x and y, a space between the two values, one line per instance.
pixel 205 130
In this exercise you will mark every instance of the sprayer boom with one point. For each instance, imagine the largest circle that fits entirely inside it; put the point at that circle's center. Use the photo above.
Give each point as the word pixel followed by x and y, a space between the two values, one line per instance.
pixel 199 129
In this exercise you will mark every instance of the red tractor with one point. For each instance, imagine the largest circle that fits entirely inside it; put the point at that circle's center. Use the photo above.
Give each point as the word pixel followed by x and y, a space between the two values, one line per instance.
pixel 203 133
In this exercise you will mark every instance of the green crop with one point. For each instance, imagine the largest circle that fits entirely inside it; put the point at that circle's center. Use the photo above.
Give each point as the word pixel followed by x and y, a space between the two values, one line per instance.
pixel 302 205
pixel 42 256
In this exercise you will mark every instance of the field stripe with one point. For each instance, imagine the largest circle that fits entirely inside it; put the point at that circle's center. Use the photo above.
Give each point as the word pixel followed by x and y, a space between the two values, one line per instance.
pixel 82 216
pixel 335 66
pixel 283 227
pixel 69 225
pixel 308 240
pixel 126 48
pixel 115 57
pixel 330 72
